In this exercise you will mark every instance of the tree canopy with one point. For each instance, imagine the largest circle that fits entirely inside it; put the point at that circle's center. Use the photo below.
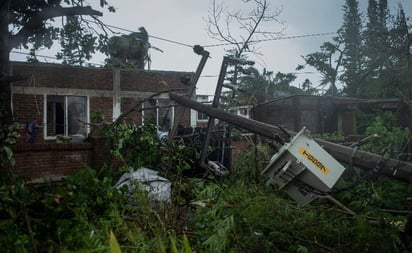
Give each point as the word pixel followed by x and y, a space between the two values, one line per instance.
pixel 130 51
pixel 372 57
pixel 29 24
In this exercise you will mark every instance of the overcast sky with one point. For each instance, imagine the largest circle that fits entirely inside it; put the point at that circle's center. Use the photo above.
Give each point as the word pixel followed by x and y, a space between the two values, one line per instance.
pixel 183 21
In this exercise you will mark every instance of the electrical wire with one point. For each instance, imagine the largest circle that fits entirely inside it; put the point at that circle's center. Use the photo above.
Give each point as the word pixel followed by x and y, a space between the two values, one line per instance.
pixel 187 45
pixel 44 56
pixel 273 39
pixel 151 36
pixel 223 44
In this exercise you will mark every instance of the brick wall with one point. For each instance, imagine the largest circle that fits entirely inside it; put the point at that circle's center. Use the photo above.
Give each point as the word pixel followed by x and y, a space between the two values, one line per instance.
pixel 62 76
pixel 153 81
pixel 127 104
pixel 103 105
pixel 54 79
pixel 47 159
pixel 52 161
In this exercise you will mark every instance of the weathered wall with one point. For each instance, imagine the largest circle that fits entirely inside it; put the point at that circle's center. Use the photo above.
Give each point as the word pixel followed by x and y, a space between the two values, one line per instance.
pixel 327 114
pixel 296 112
pixel 51 161
pixel 107 89
pixel 110 92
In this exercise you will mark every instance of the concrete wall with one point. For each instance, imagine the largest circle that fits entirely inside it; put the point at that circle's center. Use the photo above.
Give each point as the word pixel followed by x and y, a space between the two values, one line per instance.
pixel 327 114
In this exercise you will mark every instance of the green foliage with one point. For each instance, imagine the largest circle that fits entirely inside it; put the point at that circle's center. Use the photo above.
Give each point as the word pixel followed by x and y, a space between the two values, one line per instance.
pixel 96 117
pixel 239 214
pixel 8 137
pixel 262 87
pixel 248 218
pixel 371 57
pixel 80 214
pixel 328 62
pixel 114 245
pixel 352 60
pixel 139 146
pixel 335 136
pixel 134 145
pixel 392 139
pixel 128 51
pixel 77 41
pixel 252 162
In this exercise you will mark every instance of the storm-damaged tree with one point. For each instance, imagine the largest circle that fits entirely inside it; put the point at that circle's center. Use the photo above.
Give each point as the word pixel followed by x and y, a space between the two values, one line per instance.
pixel 242 32
pixel 77 42
pixel 250 95
pixel 328 62
pixel 27 24
pixel 270 86
pixel 30 23
pixel 128 51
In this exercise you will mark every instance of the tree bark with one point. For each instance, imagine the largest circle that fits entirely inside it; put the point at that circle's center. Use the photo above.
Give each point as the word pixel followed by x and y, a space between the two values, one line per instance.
pixel 9 41
pixel 5 90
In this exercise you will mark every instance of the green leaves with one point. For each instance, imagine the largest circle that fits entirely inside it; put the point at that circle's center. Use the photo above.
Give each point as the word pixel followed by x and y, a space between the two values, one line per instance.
pixel 391 139
pixel 113 244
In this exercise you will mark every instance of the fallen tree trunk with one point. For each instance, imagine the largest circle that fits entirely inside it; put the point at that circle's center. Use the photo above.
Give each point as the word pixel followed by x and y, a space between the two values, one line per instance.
pixel 393 168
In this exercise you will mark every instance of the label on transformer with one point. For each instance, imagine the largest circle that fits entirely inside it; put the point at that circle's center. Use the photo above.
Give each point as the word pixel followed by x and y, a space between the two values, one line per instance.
pixel 315 161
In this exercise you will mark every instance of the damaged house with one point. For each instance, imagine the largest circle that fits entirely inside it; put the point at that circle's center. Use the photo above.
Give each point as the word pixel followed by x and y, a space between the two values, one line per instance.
pixel 55 101
pixel 325 114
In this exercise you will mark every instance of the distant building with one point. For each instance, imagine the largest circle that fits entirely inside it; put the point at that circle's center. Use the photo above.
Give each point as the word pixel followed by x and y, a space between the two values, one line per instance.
pixel 243 111
pixel 325 114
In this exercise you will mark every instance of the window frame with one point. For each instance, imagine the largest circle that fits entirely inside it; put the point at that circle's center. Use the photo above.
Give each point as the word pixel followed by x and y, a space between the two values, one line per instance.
pixel 202 119
pixel 157 111
pixel 66 116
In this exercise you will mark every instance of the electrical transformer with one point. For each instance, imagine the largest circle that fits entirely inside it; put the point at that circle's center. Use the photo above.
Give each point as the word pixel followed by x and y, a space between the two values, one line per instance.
pixel 303 169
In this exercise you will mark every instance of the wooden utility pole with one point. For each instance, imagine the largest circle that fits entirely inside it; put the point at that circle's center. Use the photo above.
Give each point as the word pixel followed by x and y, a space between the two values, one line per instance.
pixel 192 87
pixel 393 168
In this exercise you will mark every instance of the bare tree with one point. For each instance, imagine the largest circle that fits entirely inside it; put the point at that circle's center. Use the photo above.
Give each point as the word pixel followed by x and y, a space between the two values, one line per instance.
pixel 240 29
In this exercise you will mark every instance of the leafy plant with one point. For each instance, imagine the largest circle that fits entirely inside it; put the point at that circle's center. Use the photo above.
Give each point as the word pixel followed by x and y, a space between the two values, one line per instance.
pixel 392 139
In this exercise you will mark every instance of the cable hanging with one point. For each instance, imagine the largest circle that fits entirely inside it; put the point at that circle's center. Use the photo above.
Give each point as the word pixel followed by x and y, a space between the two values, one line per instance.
pixel 272 39
pixel 152 36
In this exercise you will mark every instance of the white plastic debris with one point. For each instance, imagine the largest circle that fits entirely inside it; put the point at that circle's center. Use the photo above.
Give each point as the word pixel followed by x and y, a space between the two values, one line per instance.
pixel 163 136
pixel 218 168
pixel 157 187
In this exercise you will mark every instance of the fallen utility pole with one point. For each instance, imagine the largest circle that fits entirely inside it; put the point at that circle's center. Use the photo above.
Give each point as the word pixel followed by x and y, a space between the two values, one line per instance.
pixel 393 168
pixel 192 87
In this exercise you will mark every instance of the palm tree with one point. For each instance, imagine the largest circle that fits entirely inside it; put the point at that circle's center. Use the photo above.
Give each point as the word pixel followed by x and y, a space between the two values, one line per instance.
pixel 262 87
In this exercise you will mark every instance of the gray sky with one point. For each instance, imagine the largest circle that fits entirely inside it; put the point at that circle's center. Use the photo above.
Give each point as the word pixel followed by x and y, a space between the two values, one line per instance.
pixel 184 21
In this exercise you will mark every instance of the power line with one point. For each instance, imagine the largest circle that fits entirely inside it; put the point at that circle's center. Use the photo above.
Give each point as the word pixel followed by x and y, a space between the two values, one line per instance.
pixel 187 45
pixel 272 39
pixel 222 44
pixel 37 55
pixel 53 57
pixel 152 36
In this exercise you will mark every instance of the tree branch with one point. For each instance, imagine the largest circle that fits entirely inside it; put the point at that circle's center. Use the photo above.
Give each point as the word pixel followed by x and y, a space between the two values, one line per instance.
pixel 138 105
pixel 37 21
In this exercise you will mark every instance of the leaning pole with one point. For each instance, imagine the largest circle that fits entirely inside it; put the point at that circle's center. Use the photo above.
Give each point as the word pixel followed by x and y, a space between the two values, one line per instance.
pixel 393 168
